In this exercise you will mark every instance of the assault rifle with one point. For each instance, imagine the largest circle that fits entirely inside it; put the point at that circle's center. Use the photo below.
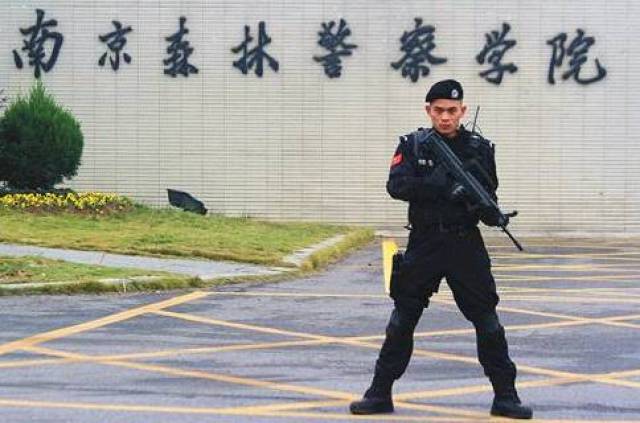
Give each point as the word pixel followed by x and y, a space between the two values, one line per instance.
pixel 477 196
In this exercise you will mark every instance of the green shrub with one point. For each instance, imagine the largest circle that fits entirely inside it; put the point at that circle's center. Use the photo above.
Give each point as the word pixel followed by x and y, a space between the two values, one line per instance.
pixel 40 142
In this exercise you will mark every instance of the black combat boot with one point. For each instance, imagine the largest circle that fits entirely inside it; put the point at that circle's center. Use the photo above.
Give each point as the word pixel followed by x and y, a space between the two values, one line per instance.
pixel 376 400
pixel 507 404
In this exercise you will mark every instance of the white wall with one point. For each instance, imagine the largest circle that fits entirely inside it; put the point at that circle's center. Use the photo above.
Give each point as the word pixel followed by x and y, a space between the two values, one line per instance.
pixel 298 145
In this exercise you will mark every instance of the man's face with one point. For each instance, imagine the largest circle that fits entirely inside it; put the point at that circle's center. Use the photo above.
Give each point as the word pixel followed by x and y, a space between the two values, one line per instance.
pixel 445 115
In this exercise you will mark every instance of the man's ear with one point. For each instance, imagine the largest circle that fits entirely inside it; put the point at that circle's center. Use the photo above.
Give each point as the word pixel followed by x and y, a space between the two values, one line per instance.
pixel 464 109
pixel 427 109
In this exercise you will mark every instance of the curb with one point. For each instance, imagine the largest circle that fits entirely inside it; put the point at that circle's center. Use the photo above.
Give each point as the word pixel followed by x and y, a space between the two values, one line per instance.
pixel 227 270
pixel 299 257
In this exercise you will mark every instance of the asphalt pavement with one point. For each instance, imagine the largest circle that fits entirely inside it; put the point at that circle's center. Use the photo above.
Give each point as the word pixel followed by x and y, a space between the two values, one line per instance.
pixel 301 350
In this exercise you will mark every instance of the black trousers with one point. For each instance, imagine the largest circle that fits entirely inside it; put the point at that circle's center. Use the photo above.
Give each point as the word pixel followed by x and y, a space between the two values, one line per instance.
pixel 461 258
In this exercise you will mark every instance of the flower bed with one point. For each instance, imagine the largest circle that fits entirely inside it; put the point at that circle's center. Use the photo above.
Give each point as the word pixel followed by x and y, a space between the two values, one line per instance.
pixel 87 202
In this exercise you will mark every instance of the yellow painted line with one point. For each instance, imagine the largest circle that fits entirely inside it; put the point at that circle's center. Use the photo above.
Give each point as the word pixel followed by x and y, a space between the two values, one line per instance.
pixel 621 374
pixel 297 295
pixel 104 321
pixel 207 350
pixel 573 255
pixel 290 406
pixel 521 367
pixel 582 267
pixel 610 291
pixel 453 332
pixel 620 324
pixel 213 411
pixel 255 328
pixel 441 410
pixel 253 382
pixel 333 394
pixel 328 404
pixel 609 321
pixel 553 297
pixel 266 345
pixel 550 299
pixel 606 292
pixel 618 382
pixel 500 258
pixel 432 354
pixel 243 381
pixel 477 389
pixel 564 267
pixel 504 290
pixel 596 278
pixel 218 377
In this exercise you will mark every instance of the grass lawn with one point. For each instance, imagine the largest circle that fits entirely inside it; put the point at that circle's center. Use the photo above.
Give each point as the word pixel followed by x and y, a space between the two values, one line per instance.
pixel 166 232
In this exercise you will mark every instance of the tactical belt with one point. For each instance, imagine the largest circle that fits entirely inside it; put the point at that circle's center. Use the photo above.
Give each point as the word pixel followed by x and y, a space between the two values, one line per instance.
pixel 443 227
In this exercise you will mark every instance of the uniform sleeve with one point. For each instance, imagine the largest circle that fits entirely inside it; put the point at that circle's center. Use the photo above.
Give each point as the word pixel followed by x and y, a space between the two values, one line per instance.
pixel 405 182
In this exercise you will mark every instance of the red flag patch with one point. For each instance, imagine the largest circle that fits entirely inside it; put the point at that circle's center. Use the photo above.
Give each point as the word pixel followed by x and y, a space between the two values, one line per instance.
pixel 397 159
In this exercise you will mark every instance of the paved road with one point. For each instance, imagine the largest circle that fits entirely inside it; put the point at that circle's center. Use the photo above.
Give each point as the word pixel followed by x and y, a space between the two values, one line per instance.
pixel 300 350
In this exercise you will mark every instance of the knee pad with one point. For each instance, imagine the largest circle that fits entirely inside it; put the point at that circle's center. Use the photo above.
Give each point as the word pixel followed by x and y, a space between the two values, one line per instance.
pixel 403 322
pixel 487 323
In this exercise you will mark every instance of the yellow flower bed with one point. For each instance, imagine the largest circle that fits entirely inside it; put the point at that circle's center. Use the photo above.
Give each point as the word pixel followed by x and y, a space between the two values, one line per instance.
pixel 92 202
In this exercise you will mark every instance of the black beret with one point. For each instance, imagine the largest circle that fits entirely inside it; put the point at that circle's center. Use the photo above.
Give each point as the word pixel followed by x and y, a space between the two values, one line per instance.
pixel 449 89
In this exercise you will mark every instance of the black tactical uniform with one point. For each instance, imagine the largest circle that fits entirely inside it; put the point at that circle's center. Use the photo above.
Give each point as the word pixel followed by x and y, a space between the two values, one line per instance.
pixel 444 242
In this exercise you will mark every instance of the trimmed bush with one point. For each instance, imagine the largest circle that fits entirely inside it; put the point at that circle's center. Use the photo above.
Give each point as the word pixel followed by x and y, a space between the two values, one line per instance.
pixel 40 142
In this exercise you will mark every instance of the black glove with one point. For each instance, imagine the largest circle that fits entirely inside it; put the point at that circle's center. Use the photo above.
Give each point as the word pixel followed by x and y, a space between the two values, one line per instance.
pixel 437 180
pixel 457 192
pixel 492 217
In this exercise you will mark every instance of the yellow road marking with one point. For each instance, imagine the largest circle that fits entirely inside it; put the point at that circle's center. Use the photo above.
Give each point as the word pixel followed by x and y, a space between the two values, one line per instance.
pixel 549 299
pixel 218 377
pixel 236 380
pixel 563 267
pixel 543 255
pixel 216 411
pixel 476 389
pixel 206 350
pixel 597 278
pixel 297 294
pixel 572 376
pixel 266 345
pixel 263 329
pixel 426 353
pixel 104 321
pixel 502 258
pixel 504 290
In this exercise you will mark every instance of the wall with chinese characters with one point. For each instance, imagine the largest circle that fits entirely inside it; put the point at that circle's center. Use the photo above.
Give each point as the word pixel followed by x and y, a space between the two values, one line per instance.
pixel 285 109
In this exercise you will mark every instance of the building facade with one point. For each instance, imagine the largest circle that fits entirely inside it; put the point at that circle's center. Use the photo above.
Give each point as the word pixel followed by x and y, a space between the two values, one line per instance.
pixel 291 110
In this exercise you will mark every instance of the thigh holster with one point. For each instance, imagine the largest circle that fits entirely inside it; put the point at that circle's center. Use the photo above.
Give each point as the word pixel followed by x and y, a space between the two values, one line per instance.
pixel 397 282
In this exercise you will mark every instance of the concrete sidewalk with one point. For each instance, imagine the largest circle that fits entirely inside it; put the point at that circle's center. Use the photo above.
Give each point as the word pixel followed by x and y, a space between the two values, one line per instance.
pixel 204 269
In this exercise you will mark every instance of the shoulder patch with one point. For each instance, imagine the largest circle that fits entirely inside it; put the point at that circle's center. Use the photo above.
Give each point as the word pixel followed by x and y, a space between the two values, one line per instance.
pixel 396 160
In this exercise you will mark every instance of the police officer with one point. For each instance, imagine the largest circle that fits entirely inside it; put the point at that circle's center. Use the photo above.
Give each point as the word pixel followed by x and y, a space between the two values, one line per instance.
pixel 444 242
